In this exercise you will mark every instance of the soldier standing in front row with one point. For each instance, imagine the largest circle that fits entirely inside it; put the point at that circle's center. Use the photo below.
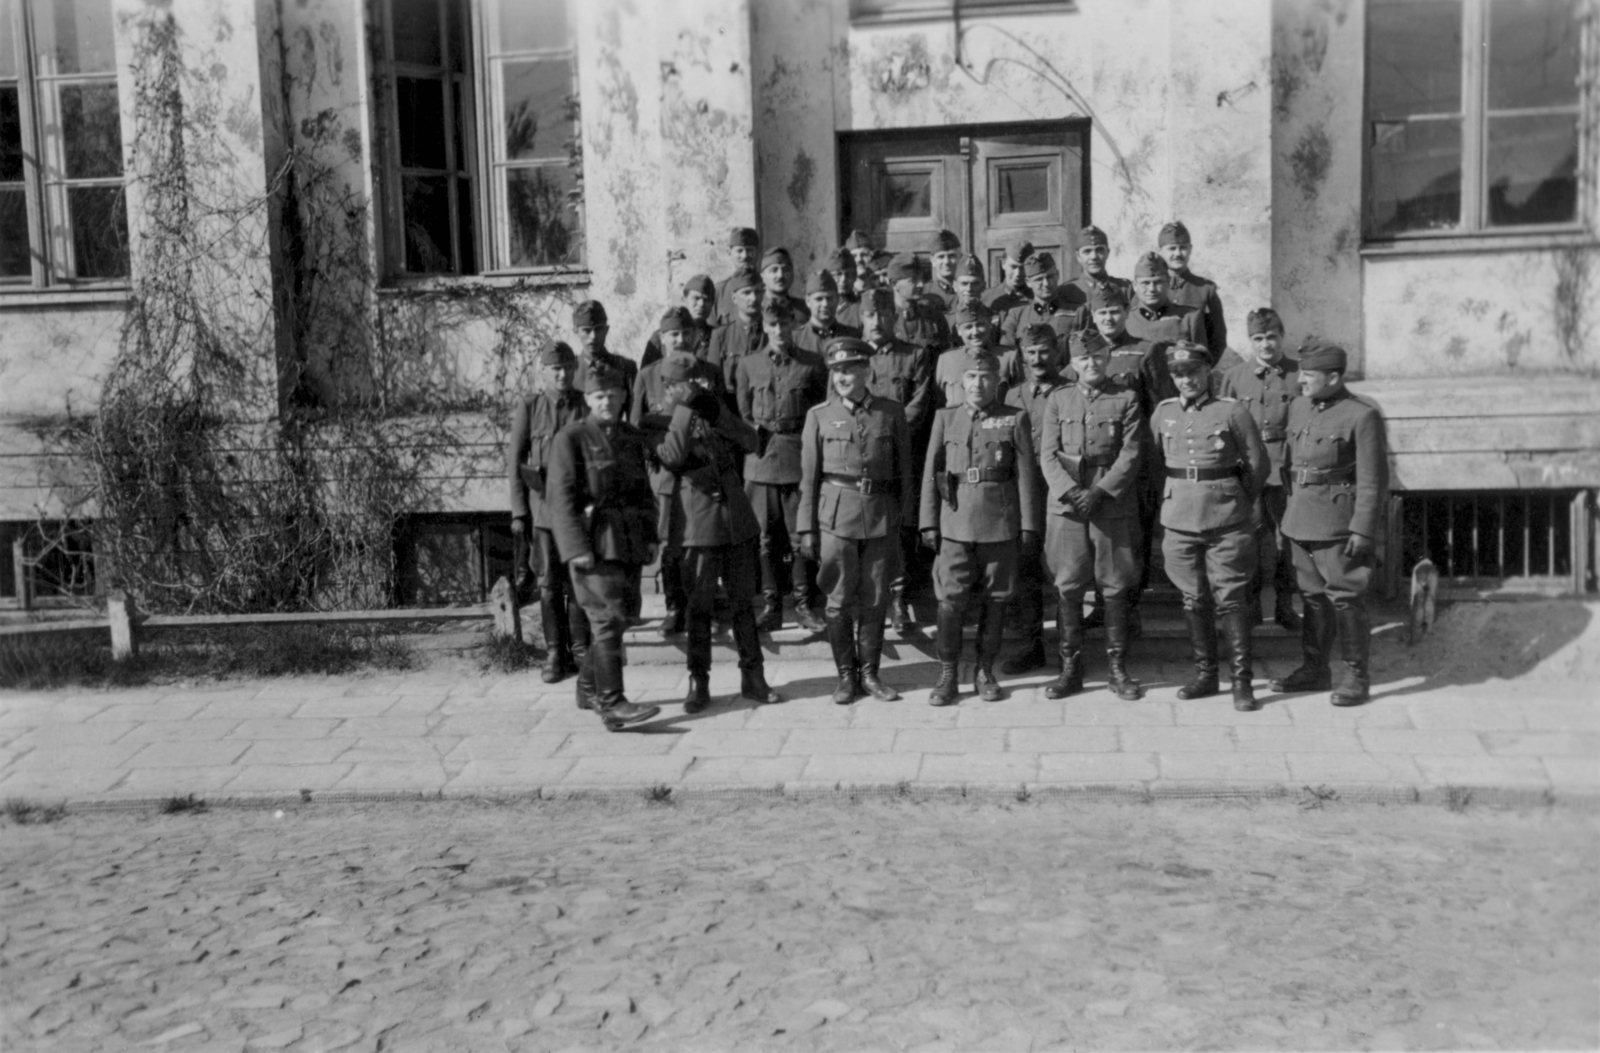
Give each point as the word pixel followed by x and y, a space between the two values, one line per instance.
pixel 1215 466
pixel 976 508
pixel 533 431
pixel 856 476
pixel 1338 475
pixel 603 517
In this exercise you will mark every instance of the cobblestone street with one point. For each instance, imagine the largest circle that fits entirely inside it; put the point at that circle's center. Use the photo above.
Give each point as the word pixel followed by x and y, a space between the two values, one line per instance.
pixel 911 923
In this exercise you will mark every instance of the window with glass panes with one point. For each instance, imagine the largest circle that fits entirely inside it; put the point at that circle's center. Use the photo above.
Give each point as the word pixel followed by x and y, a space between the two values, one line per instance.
pixel 484 169
pixel 63 211
pixel 1474 116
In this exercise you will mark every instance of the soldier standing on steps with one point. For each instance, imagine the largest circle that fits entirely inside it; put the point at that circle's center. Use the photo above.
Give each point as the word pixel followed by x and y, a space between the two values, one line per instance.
pixel 977 505
pixel 1338 476
pixel 856 476
pixel 712 523
pixel 1214 467
pixel 603 517
pixel 534 426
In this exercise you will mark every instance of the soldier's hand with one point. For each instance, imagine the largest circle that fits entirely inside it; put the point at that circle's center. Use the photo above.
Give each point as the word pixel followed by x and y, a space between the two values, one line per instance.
pixel 650 554
pixel 1078 499
pixel 1358 546
pixel 808 546
pixel 1030 542
pixel 1094 499
pixel 584 562
pixel 705 405
pixel 930 539
pixel 519 525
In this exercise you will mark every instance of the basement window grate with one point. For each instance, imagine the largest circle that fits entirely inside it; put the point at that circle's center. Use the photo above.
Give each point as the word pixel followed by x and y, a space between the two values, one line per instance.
pixel 1493 534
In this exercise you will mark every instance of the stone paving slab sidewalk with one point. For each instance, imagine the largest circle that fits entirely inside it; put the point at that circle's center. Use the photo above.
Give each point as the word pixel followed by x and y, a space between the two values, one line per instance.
pixel 456 733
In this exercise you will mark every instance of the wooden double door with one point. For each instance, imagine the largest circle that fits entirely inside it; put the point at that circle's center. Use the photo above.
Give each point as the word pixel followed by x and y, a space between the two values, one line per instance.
pixel 993 187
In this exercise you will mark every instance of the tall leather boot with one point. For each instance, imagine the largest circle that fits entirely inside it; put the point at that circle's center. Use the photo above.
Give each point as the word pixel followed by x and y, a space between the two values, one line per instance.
pixel 899 611
pixel 803 578
pixel 1032 655
pixel 842 639
pixel 1069 618
pixel 672 589
pixel 1237 626
pixel 1203 642
pixel 771 618
pixel 869 645
pixel 605 664
pixel 948 648
pixel 752 671
pixel 1355 647
pixel 699 696
pixel 1316 641
pixel 578 634
pixel 991 632
pixel 585 686
pixel 1121 684
pixel 557 645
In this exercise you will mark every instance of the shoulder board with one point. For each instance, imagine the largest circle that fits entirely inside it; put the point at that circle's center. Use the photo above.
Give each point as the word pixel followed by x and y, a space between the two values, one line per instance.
pixel 1223 398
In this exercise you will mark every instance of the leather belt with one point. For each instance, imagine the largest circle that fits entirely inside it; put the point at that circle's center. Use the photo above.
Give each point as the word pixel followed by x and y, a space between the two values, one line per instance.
pixel 1199 475
pixel 1274 434
pixel 782 427
pixel 974 476
pixel 1321 476
pixel 857 482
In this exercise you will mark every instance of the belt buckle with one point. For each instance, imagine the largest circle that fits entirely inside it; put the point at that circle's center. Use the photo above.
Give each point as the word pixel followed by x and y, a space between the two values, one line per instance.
pixel 864 485
pixel 1303 476
pixel 974 475
pixel 1191 474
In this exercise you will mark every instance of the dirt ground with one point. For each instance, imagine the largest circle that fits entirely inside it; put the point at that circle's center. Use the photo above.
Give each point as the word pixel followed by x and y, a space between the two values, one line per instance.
pixel 899 924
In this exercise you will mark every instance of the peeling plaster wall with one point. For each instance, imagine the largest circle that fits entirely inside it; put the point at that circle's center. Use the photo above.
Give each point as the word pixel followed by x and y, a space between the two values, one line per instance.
pixel 1176 92
pixel 1317 76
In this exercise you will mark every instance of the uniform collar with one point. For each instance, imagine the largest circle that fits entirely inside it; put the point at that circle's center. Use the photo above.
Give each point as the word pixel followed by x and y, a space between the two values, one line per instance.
pixel 1199 402
pixel 778 357
pixel 858 407
pixel 981 412
pixel 1150 314
pixel 1279 367
pixel 1328 400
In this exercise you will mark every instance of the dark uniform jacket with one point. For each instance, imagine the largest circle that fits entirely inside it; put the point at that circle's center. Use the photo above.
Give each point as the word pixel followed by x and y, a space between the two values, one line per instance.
pixel 866 440
pixel 710 506
pixel 903 373
pixel 1209 435
pixel 1093 437
pixel 1166 324
pixel 1191 290
pixel 1087 284
pixel 921 322
pixel 1337 468
pixel 1060 313
pixel 942 292
pixel 1032 396
pixel 733 341
pixel 652 347
pixel 619 363
pixel 1267 391
pixel 599 494
pixel 849 311
pixel 972 488
pixel 652 412
pixel 1138 364
pixel 534 426
pixel 775 393
pixel 815 337
pixel 1002 298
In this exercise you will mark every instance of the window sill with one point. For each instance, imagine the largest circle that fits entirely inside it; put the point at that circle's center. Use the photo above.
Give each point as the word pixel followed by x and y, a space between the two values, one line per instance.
pixel 529 281
pixel 1442 245
pixel 31 297
pixel 946 13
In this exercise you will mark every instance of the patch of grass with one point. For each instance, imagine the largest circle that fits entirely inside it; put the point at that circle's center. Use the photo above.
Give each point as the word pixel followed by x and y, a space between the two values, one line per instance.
pixel 1317 796
pixel 180 805
pixel 1457 798
pixel 1023 794
pixel 504 654
pixel 660 793
pixel 24 812
pixel 43 662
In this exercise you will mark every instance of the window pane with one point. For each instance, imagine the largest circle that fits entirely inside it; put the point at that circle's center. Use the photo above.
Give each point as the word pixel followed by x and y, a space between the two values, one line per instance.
pixel 425 201
pixel 453 21
pixel 8 41
pixel 416 32
pixel 91 130
pixel 1416 176
pixel 1414 57
pixel 1533 169
pixel 468 243
pixel 74 36
pixel 1533 53
pixel 907 194
pixel 541 204
pixel 421 105
pixel 538 121
pixel 527 25
pixel 14 233
pixel 10 135
pixel 99 231
pixel 1024 189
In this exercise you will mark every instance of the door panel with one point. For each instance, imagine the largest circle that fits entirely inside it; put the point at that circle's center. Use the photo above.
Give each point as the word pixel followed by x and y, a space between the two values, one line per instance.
pixel 1028 186
pixel 902 190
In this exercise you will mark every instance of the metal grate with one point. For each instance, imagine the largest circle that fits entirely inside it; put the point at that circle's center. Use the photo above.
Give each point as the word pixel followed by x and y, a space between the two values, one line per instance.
pixel 1505 534
pixel 451 559
pixel 45 564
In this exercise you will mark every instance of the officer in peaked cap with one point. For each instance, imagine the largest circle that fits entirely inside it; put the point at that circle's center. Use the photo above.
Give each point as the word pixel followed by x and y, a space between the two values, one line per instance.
pixel 944 254
pixel 1337 472
pixel 1191 290
pixel 1215 466
pixel 590 323
pixel 978 508
pixel 744 251
pixel 856 480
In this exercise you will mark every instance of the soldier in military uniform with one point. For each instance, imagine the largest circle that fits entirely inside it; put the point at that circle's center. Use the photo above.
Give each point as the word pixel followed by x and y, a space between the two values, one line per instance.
pixel 1092 448
pixel 775 388
pixel 824 327
pixel 589 322
pixel 1267 384
pixel 1155 317
pixel 777 274
pixel 1215 466
pixel 1051 304
pixel 603 517
pixel 975 327
pixel 969 293
pixel 699 302
pixel 944 253
pixel 744 249
pixel 1338 476
pixel 1190 290
pixel 1013 289
pixel 978 509
pixel 1041 360
pixel 859 243
pixel 534 425
pixel 919 318
pixel 856 478
pixel 847 308
pixel 712 523
pixel 902 373
pixel 1094 249
pixel 1137 363
pixel 743 332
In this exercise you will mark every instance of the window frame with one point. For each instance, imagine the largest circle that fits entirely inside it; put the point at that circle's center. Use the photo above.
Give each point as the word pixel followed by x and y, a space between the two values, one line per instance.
pixel 1473 228
pixel 484 165
pixel 879 12
pixel 51 248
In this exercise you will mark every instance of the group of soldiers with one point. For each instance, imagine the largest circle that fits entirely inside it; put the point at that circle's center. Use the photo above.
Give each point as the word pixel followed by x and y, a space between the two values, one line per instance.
pixel 904 422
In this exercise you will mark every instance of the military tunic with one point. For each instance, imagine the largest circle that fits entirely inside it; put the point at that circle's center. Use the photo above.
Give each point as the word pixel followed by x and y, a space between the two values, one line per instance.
pixel 1093 436
pixel 1032 396
pixel 1268 391
pixel 814 337
pixel 702 343
pixel 848 313
pixel 856 477
pixel 534 427
pixel 921 322
pixel 1337 471
pixel 1166 324
pixel 730 343
pixel 1214 465
pixel 775 392
pixel 951 366
pixel 1060 313
pixel 1191 290
pixel 614 362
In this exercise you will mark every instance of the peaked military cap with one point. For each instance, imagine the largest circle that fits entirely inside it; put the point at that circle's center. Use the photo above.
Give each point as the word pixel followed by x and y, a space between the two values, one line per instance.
pixel 858 239
pixel 1186 357
pixel 905 266
pixel 1039 263
pixel 944 241
pixel 877 300
pixel 702 284
pixel 588 315
pixel 743 238
pixel 1323 356
pixel 1093 235
pixel 1263 320
pixel 604 378
pixel 847 351
pixel 677 367
pixel 1038 334
pixel 1108 295
pixel 1173 233
pixel 1151 265
pixel 557 353
pixel 969 267
pixel 675 318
